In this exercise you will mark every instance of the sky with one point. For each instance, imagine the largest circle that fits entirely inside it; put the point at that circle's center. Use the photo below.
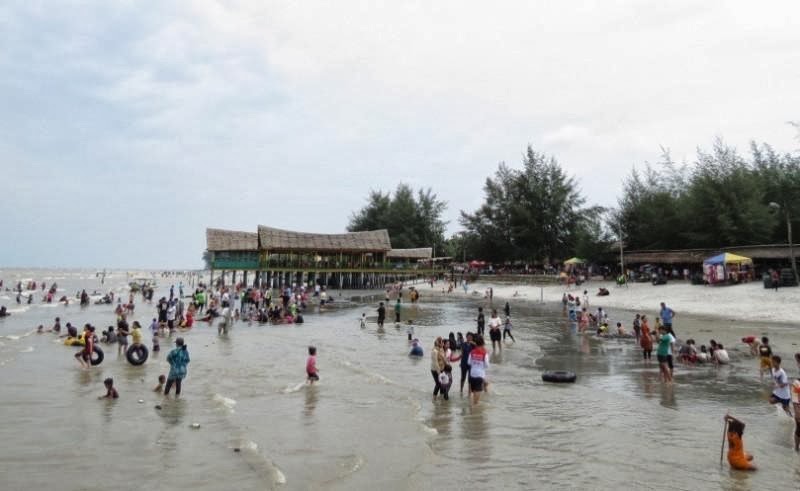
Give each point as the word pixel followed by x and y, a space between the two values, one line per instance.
pixel 128 127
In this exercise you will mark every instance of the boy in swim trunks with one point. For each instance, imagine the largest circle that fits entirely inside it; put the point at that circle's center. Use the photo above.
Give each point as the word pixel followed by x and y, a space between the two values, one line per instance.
pixel 111 392
pixel 781 393
pixel 84 356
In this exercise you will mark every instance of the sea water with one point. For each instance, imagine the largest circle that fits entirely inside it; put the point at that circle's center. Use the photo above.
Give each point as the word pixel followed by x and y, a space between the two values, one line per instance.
pixel 371 422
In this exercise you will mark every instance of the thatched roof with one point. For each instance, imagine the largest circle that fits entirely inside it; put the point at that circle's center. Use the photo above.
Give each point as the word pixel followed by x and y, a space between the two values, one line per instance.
pixel 419 253
pixel 230 240
pixel 273 239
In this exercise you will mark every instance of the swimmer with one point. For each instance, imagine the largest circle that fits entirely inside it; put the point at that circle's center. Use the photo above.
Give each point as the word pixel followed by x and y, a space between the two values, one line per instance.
pixel 720 355
pixel 311 366
pixel 621 330
pixel 111 392
pixel 737 457
pixel 161 379
pixel 416 349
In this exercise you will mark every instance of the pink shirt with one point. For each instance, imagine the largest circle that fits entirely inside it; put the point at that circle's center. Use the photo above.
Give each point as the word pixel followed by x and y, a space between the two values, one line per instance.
pixel 311 365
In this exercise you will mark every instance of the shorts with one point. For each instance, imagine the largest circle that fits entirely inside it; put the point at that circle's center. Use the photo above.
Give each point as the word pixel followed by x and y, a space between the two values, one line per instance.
pixel 662 358
pixel 313 376
pixel 476 384
pixel 494 334
pixel 784 402
pixel 171 324
pixel 123 340
pixel 766 363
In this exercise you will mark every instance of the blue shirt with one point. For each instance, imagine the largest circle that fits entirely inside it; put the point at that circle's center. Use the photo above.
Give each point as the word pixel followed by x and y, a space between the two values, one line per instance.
pixel 666 315
pixel 178 358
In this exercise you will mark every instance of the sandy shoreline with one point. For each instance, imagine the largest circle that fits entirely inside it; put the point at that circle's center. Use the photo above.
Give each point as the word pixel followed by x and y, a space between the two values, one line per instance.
pixel 749 302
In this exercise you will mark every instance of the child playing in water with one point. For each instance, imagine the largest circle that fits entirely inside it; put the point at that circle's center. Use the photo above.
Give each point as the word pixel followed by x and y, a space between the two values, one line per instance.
pixel 781 393
pixel 111 392
pixel 136 333
pixel 84 356
pixel 410 330
pixel 161 379
pixel 363 320
pixel 311 366
pixel 156 344
pixel 737 457
pixel 445 381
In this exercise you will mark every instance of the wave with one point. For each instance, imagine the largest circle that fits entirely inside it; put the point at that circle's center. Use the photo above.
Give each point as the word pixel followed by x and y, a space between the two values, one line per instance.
pixel 263 466
pixel 225 402
pixel 28 349
pixel 290 389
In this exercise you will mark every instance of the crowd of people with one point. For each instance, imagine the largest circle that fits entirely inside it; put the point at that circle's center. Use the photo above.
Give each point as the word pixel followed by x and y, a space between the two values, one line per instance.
pixel 668 347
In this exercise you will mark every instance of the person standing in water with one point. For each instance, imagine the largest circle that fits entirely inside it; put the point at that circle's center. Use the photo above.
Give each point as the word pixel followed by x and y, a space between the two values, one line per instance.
pixel 311 366
pixel 507 309
pixel 507 330
pixel 737 457
pixel 663 353
pixel 494 330
pixel 481 321
pixel 646 342
pixel 466 347
pixel 178 358
pixel 765 357
pixel 437 365
pixel 781 393
pixel 397 308
pixel 381 315
pixel 478 365
pixel 666 315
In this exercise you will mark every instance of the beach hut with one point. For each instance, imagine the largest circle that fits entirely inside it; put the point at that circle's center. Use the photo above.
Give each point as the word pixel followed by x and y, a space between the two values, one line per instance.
pixel 726 267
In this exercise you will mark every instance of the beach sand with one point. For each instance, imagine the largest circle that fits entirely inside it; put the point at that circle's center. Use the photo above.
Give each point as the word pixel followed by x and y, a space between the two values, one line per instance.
pixel 749 302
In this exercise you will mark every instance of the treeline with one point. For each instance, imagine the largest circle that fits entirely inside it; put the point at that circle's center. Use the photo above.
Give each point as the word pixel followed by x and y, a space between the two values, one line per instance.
pixel 723 199
pixel 412 220
pixel 538 213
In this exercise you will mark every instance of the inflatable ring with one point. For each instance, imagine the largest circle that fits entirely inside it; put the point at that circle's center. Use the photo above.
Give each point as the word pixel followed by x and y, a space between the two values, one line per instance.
pixel 97 355
pixel 137 354
pixel 559 377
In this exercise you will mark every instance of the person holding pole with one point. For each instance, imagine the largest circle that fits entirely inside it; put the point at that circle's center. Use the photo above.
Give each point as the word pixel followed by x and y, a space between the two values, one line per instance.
pixel 737 457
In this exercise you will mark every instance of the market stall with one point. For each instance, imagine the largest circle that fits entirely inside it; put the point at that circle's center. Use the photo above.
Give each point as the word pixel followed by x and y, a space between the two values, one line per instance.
pixel 727 268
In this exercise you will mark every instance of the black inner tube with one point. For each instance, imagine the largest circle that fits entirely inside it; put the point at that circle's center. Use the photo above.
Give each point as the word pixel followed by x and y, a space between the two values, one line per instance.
pixel 137 354
pixel 97 355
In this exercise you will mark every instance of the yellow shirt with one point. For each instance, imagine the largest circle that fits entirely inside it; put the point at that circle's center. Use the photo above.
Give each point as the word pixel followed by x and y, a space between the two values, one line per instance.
pixel 136 334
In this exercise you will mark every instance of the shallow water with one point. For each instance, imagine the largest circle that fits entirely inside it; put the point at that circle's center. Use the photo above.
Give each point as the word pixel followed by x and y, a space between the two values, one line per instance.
pixel 370 422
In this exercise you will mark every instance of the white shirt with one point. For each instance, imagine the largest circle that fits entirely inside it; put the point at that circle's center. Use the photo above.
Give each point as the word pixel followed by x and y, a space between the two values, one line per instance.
pixel 494 322
pixel 779 377
pixel 721 356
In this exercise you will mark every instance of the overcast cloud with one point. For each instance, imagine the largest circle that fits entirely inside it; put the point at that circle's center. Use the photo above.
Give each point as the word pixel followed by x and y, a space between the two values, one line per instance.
pixel 127 128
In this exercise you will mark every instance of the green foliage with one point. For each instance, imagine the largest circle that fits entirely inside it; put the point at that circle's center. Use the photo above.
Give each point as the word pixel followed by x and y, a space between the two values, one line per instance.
pixel 723 200
pixel 532 213
pixel 412 220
